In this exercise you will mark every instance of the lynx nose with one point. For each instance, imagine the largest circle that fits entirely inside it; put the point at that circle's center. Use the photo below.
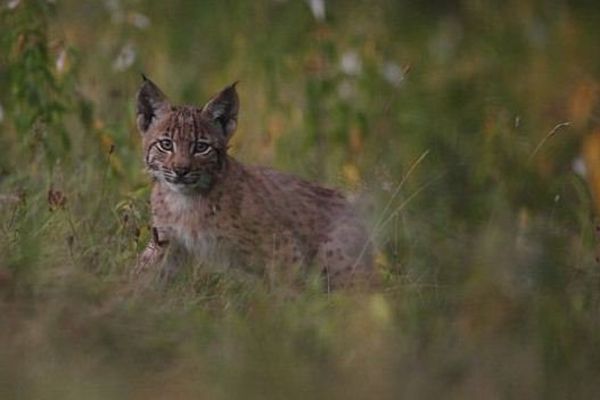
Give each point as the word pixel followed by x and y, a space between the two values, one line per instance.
pixel 181 171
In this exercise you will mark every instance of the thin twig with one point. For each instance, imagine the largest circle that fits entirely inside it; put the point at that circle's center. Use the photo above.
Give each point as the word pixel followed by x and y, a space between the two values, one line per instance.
pixel 381 220
pixel 401 207
pixel 552 132
pixel 400 185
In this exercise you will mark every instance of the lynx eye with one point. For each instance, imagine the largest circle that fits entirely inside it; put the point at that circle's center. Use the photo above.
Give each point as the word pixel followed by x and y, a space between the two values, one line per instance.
pixel 166 144
pixel 202 148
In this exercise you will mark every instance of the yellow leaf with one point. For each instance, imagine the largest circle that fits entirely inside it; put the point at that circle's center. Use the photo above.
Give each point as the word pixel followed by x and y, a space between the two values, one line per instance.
pixel 356 142
pixel 582 102
pixel 591 157
pixel 381 259
pixel 380 309
pixel 351 174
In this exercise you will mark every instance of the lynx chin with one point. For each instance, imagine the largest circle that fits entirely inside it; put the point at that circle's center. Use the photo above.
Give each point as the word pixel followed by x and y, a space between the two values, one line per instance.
pixel 213 209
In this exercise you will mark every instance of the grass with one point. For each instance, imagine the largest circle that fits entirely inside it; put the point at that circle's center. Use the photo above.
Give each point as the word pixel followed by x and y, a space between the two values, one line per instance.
pixel 468 133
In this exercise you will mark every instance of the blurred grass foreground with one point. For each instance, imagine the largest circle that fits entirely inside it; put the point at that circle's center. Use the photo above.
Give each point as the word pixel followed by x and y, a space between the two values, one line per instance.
pixel 469 130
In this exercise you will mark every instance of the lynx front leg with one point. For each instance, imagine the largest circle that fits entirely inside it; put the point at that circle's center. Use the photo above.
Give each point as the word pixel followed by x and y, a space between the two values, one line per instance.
pixel 161 258
pixel 153 254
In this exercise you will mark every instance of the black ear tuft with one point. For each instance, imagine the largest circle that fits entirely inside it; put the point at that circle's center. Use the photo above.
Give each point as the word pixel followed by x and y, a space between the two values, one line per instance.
pixel 151 104
pixel 223 109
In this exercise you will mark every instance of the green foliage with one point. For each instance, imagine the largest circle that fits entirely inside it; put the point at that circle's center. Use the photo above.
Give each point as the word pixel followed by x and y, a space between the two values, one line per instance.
pixel 460 125
pixel 37 104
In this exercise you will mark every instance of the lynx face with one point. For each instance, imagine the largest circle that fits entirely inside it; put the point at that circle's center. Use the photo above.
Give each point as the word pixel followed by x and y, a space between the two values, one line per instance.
pixel 185 151
pixel 185 147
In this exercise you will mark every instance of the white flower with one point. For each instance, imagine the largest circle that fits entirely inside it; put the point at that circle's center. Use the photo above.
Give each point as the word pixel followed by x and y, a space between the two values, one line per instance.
pixel 125 58
pixel 139 20
pixel 61 60
pixel 12 4
pixel 351 64
pixel 392 73
pixel 317 7
pixel 578 166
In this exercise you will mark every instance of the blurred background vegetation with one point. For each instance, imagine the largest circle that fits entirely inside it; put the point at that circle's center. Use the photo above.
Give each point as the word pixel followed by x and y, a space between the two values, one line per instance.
pixel 468 131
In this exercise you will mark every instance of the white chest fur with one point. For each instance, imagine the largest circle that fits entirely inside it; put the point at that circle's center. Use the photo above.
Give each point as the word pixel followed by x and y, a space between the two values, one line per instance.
pixel 190 231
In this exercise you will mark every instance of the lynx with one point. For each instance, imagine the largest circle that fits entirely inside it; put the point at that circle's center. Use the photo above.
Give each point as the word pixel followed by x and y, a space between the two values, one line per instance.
pixel 207 205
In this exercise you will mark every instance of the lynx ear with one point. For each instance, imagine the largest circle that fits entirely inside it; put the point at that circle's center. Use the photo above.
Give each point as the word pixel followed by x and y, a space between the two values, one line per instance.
pixel 223 110
pixel 151 104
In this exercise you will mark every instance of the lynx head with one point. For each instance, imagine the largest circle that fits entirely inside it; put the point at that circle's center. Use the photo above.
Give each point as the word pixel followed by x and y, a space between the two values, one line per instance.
pixel 185 146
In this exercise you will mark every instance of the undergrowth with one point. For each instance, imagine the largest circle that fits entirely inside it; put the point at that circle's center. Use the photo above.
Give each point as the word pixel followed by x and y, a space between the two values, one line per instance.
pixel 467 132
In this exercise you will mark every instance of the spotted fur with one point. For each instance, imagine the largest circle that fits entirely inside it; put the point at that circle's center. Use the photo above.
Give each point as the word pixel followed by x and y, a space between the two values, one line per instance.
pixel 207 205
